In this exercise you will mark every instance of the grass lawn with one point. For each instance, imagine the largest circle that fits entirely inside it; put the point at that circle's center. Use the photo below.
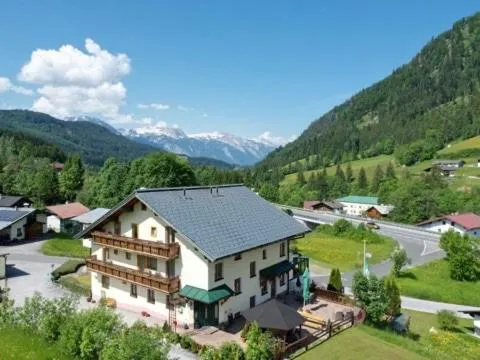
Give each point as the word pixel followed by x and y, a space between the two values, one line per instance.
pixel 64 245
pixel 79 284
pixel 18 345
pixel 471 143
pixel 365 342
pixel 432 282
pixel 346 254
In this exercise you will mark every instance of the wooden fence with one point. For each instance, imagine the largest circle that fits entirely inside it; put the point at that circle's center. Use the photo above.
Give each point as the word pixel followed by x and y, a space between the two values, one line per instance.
pixel 334 297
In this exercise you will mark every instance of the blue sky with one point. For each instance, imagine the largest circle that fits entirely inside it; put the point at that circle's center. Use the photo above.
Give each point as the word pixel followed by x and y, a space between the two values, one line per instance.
pixel 244 67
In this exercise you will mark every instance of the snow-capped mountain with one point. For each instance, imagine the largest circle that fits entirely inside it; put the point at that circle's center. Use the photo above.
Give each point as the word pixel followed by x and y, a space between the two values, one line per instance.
pixel 93 120
pixel 216 145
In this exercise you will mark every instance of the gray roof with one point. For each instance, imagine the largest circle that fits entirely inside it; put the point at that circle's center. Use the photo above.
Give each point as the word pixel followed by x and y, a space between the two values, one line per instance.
pixel 220 224
pixel 9 216
pixel 446 162
pixel 274 314
pixel 8 200
pixel 91 216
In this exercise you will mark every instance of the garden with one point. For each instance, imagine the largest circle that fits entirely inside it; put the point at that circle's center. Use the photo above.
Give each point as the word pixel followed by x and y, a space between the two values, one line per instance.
pixel 64 245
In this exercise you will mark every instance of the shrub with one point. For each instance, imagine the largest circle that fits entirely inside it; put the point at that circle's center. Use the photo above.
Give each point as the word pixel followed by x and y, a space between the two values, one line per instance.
pixel 371 295
pixel 231 351
pixel 209 353
pixel 245 330
pixel 166 327
pixel 393 296
pixel 447 320
pixel 400 259
pixel 335 281
pixel 72 284
pixel 186 342
pixel 69 267
pixel 342 226
pixel 261 345
pixel 7 310
pixel 313 286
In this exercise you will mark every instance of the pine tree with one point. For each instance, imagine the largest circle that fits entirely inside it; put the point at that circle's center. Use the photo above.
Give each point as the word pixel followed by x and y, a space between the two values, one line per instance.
pixel 390 172
pixel 349 173
pixel 377 179
pixel 362 182
pixel 393 296
pixel 339 173
pixel 71 177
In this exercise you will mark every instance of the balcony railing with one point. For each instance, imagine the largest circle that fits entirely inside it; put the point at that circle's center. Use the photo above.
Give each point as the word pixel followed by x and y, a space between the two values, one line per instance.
pixel 156 282
pixel 144 247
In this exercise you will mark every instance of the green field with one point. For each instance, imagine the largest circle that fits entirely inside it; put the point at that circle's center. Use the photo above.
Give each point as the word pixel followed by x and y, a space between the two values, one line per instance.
pixel 472 143
pixel 368 164
pixel 329 251
pixel 63 245
pixel 79 284
pixel 365 342
pixel 18 345
pixel 432 282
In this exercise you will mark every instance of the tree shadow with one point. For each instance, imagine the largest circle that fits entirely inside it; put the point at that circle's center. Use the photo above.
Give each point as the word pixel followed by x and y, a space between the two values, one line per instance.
pixel 408 275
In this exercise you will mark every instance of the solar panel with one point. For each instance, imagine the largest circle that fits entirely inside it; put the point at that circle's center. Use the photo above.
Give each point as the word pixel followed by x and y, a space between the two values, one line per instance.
pixel 7 215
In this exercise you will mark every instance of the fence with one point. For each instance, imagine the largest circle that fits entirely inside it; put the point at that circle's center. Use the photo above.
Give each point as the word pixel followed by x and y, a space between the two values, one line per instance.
pixel 334 297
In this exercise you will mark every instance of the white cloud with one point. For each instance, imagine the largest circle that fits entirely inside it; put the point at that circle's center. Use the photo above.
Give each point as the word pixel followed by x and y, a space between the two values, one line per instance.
pixel 183 108
pixel 268 138
pixel 154 106
pixel 205 115
pixel 6 85
pixel 75 82
pixel 146 121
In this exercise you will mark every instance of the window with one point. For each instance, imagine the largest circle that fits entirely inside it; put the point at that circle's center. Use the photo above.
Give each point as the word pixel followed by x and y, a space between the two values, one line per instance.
pixel 151 263
pixel 153 232
pixel 443 222
pixel 135 231
pixel 282 279
pixel 453 224
pixel 117 227
pixel 151 296
pixel 282 249
pixel 238 257
pixel 115 251
pixel 218 271
pixel 253 270
pixel 252 301
pixel 133 290
pixel 264 287
pixel 105 282
pixel 237 286
pixel 264 254
pixel 169 235
pixel 19 232
pixel 144 207
pixel 128 256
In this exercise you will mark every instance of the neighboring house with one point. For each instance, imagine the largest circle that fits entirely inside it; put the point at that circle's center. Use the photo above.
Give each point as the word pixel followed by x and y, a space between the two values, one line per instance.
pixel 451 163
pixel 196 256
pixel 379 211
pixel 58 166
pixel 324 205
pixel 446 167
pixel 475 314
pixel 83 221
pixel 59 217
pixel 14 223
pixel 14 201
pixel 357 205
pixel 462 223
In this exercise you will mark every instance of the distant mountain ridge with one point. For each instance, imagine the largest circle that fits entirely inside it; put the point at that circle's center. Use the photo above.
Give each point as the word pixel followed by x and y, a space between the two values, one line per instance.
pixel 93 139
pixel 222 146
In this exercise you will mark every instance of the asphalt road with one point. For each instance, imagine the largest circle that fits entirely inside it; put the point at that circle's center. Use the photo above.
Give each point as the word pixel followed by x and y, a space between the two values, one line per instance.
pixel 421 246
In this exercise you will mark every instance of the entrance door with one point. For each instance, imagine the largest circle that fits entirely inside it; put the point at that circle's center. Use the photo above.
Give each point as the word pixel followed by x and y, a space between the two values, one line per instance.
pixel 273 288
pixel 205 314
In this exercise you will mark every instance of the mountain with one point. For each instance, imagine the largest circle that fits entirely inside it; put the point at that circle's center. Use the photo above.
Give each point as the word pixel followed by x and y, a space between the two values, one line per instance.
pixel 95 142
pixel 225 147
pixel 94 120
pixel 419 108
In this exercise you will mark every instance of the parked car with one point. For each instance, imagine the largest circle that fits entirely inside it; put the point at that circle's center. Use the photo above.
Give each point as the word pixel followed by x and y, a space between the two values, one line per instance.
pixel 372 225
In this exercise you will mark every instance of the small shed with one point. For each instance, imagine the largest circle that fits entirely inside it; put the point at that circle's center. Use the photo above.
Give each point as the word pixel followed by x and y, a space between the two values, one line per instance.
pixel 379 211
pixel 401 323
pixel 59 217
pixel 475 314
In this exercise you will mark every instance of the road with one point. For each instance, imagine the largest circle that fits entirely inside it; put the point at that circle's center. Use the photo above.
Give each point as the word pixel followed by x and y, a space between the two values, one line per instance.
pixel 421 246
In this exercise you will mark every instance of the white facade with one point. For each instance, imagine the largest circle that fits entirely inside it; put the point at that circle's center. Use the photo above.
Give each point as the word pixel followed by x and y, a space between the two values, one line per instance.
pixel 53 223
pixel 355 209
pixel 444 225
pixel 190 266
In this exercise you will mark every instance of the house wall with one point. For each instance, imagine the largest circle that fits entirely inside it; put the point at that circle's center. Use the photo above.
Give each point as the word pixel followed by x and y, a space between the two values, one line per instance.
pixel 355 209
pixel 53 223
pixel 233 269
pixel 3 266
pixel 442 226
pixel 17 230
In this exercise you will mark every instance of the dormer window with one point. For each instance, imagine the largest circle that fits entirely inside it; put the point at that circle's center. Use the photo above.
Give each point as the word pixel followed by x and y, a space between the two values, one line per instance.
pixel 144 207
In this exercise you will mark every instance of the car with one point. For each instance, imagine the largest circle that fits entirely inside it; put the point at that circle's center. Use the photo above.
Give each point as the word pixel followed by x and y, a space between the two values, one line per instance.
pixel 372 225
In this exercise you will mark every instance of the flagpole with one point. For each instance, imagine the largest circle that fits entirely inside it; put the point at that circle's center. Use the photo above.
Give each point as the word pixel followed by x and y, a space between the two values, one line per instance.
pixel 364 256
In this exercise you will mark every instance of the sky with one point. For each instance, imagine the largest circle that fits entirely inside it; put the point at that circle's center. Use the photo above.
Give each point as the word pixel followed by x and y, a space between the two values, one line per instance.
pixel 250 68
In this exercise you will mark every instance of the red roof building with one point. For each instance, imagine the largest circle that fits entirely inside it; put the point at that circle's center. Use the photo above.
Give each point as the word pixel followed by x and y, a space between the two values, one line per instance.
pixel 463 223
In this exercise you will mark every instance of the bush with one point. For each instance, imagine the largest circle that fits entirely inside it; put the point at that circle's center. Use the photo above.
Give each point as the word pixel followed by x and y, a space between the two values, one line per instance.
pixel 400 259
pixel 313 286
pixel 245 330
pixel 72 284
pixel 463 255
pixel 209 353
pixel 69 267
pixel 335 281
pixel 186 342
pixel 342 226
pixel 166 327
pixel 447 320
pixel 231 351
pixel 261 345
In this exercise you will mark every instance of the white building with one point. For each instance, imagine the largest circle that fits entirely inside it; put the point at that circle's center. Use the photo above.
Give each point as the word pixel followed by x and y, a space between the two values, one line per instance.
pixel 357 205
pixel 195 256
pixel 463 223
pixel 59 217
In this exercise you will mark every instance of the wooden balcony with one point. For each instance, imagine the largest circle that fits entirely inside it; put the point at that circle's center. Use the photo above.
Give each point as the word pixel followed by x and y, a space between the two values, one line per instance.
pixel 156 282
pixel 143 247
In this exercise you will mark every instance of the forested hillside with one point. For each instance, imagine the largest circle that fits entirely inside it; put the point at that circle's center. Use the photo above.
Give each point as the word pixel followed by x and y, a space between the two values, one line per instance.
pixel 94 143
pixel 415 111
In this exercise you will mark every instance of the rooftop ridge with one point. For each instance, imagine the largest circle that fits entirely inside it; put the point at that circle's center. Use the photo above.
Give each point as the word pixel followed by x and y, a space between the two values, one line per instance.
pixel 181 188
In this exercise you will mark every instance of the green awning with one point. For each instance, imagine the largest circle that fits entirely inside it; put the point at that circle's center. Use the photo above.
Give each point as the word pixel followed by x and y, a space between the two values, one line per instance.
pixel 204 296
pixel 277 269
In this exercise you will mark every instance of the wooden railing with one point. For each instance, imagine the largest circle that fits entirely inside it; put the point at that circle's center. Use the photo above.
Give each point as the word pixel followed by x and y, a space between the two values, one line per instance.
pixel 144 247
pixel 156 282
